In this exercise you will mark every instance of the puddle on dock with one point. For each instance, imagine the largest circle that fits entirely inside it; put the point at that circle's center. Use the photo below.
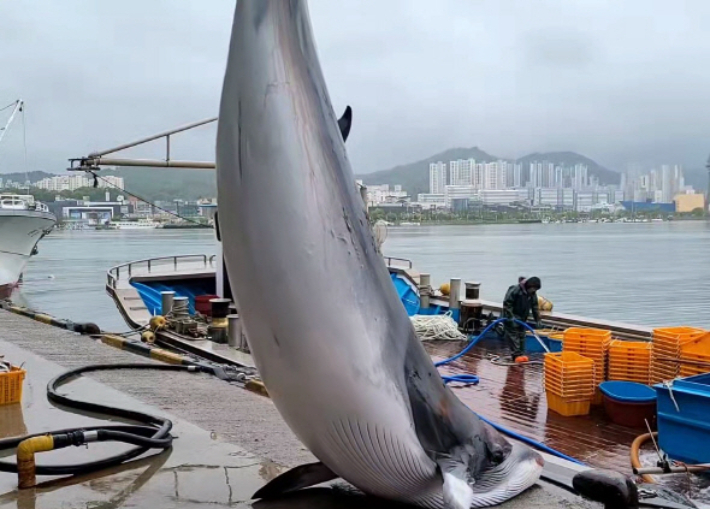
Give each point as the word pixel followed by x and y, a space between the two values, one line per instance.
pixel 197 471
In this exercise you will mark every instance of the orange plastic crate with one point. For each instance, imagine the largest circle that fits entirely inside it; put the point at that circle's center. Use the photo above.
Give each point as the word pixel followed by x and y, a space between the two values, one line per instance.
pixel 587 332
pixel 11 386
pixel 670 342
pixel 630 361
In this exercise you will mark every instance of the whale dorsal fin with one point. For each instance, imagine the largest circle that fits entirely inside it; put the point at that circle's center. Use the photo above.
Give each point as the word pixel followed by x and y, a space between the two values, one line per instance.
pixel 345 122
pixel 297 478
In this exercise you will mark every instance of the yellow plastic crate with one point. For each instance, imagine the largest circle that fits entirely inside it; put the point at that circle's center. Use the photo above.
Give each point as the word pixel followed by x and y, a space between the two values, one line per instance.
pixel 565 407
pixel 569 380
pixel 11 386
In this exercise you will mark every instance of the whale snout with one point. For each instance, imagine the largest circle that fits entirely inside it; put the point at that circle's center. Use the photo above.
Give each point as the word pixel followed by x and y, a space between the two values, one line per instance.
pixel 518 472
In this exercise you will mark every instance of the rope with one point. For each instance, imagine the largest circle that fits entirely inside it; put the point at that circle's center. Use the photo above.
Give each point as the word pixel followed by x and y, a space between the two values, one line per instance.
pixel 437 327
pixel 24 139
pixel 142 199
pixel 8 106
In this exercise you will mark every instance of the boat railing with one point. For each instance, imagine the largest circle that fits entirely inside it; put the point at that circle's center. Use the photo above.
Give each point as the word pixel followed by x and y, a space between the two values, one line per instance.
pixel 393 261
pixel 21 202
pixel 128 269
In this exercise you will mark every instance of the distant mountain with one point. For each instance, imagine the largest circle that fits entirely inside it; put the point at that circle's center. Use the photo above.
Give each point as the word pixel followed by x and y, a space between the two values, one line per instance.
pixel 414 177
pixel 605 176
pixel 32 176
pixel 698 178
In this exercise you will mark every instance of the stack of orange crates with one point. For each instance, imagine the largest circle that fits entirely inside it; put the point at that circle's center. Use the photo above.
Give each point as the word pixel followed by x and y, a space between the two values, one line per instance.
pixel 569 383
pixel 592 344
pixel 696 351
pixel 630 361
pixel 667 345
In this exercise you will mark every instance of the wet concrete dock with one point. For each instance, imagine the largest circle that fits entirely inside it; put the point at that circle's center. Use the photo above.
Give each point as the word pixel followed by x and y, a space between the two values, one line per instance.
pixel 228 443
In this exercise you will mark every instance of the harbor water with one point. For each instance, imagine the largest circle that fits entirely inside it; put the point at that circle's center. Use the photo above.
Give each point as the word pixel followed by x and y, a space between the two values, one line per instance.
pixel 644 273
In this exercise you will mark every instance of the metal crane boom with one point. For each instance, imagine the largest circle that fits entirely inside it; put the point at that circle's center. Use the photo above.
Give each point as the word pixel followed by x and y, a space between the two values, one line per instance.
pixel 19 104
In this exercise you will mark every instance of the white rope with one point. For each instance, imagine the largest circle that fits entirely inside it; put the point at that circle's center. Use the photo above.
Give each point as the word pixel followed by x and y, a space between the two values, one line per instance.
pixel 437 327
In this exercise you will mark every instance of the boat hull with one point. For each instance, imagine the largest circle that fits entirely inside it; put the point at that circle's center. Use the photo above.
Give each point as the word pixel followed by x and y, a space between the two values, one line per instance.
pixel 20 231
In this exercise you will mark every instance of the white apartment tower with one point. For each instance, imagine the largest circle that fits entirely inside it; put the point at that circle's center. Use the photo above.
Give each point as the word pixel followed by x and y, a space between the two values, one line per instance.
pixel 437 178
pixel 461 172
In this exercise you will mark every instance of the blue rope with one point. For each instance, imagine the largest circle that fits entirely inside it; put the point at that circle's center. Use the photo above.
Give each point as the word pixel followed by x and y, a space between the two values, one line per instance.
pixel 469 379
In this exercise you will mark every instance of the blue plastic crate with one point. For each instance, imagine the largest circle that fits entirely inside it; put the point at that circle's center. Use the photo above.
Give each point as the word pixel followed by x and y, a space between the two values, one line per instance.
pixel 684 433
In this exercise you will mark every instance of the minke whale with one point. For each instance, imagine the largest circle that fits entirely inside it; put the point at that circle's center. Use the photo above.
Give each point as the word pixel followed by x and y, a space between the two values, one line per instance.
pixel 331 339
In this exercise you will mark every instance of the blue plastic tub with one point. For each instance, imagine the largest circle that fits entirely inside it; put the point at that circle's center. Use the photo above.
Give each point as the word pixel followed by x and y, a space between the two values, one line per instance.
pixel 684 433
pixel 629 404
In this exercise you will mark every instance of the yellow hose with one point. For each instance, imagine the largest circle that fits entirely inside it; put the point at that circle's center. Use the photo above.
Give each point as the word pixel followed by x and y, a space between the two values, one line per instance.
pixel 635 454
pixel 26 477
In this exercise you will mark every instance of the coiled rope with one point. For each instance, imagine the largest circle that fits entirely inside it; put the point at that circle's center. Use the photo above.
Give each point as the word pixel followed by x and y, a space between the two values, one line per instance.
pixel 437 327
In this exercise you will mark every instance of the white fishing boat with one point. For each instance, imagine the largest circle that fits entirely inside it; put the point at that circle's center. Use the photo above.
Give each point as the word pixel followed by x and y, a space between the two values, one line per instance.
pixel 23 223
pixel 141 224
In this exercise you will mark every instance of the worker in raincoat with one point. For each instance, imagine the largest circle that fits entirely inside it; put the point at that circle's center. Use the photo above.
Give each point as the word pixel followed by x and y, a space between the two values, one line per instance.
pixel 520 301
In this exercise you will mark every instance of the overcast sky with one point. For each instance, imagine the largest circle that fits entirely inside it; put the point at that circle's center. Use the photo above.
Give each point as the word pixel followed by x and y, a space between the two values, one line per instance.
pixel 616 81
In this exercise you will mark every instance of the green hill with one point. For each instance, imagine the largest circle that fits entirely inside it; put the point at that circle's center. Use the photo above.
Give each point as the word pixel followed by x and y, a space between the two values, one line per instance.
pixel 167 184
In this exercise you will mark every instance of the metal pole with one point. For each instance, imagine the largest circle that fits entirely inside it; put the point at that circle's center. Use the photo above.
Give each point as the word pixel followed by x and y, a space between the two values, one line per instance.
pixel 94 155
pixel 156 163
pixel 454 293
pixel 424 290
pixel 671 470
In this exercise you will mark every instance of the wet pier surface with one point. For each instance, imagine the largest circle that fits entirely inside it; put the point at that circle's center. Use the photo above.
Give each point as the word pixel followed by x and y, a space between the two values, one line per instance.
pixel 514 397
pixel 229 441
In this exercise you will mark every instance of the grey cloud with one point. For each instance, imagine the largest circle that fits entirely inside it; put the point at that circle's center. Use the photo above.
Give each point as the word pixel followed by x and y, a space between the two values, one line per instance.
pixel 617 81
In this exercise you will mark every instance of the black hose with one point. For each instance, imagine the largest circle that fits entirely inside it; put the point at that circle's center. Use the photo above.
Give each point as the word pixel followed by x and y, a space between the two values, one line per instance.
pixel 153 433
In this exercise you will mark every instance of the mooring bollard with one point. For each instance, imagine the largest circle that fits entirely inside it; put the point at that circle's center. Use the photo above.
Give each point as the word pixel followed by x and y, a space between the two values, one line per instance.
pixel 181 307
pixel 473 290
pixel 234 331
pixel 218 327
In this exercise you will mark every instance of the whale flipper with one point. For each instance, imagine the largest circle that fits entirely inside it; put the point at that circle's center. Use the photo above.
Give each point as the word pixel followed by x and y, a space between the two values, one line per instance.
pixel 345 123
pixel 297 478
